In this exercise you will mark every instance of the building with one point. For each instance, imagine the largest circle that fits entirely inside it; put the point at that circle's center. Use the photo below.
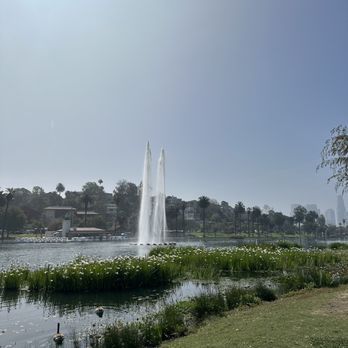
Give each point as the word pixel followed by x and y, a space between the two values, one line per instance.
pixel 330 217
pixel 111 209
pixel 53 215
pixel 85 232
pixel 341 212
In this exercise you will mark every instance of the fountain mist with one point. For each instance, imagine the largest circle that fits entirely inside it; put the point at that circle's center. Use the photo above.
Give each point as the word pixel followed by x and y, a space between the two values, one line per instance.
pixel 159 216
pixel 146 205
pixel 152 220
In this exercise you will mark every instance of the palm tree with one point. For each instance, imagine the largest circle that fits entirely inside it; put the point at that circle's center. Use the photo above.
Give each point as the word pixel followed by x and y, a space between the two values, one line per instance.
pixel 60 189
pixel 9 195
pixel 203 203
pixel 86 199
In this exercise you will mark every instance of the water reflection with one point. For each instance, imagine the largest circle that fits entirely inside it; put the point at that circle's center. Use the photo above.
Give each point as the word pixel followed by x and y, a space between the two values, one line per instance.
pixel 32 317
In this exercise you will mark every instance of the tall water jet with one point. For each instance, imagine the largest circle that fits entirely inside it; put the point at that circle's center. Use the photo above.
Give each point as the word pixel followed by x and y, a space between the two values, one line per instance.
pixel 144 227
pixel 159 224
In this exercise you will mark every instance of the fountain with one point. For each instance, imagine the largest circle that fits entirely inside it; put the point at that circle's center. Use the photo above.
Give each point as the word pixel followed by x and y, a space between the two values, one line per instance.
pixel 146 204
pixel 159 223
pixel 152 219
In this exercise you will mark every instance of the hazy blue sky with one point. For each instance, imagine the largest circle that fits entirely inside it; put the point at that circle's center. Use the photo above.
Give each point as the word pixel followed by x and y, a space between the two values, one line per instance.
pixel 242 94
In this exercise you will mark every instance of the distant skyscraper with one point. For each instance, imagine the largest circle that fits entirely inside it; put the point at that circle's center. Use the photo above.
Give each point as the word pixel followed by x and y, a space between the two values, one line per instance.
pixel 341 210
pixel 313 207
pixel 330 217
pixel 293 206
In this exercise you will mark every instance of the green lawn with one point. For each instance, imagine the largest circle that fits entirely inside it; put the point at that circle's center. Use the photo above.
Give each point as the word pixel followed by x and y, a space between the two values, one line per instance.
pixel 311 318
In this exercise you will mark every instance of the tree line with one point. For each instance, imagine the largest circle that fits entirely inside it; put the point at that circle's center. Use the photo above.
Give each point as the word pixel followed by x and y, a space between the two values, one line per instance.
pixel 22 209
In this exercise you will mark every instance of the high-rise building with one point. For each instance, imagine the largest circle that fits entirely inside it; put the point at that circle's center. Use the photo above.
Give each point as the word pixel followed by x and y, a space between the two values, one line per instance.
pixel 341 210
pixel 313 207
pixel 330 217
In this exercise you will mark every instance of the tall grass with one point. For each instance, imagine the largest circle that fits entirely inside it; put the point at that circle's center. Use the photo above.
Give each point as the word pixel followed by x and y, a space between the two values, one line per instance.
pixel 199 261
pixel 162 266
pixel 83 275
pixel 14 278
pixel 175 320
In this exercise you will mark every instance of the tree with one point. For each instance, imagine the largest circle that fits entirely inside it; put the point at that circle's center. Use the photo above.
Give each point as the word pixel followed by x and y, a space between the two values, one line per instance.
pixel 335 156
pixel 264 222
pixel 15 220
pixel 60 189
pixel 126 198
pixel 255 216
pixel 239 210
pixel 299 215
pixel 9 195
pixel 97 195
pixel 2 199
pixel 203 203
pixel 278 220
pixel 86 199
pixel 37 190
pixel 248 211
pixel 183 208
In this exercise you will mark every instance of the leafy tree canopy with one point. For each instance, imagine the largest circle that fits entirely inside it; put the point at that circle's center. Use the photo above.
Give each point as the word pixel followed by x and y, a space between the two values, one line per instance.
pixel 335 156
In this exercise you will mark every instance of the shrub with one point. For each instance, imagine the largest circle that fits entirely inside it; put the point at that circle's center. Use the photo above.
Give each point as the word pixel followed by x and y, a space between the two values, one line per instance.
pixel 265 293
pixel 208 304
pixel 234 297
pixel 338 246
pixel 288 245
pixel 172 322
pixel 316 278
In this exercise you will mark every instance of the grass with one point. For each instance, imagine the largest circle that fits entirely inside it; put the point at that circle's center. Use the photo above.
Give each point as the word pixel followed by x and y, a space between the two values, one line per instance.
pixel 82 275
pixel 164 265
pixel 310 318
pixel 199 262
pixel 175 320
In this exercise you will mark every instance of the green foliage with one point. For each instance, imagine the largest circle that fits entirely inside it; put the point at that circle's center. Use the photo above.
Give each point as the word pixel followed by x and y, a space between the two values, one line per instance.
pixel 265 293
pixel 14 278
pixel 103 275
pixel 172 322
pixel 338 246
pixel 314 277
pixel 208 304
pixel 233 297
pixel 207 263
pixel 335 156
pixel 288 245
pixel 15 219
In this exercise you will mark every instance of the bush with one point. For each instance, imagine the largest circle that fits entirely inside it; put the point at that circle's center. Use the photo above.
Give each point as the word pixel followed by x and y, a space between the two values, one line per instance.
pixel 316 278
pixel 172 322
pixel 338 246
pixel 208 304
pixel 234 297
pixel 264 293
pixel 288 245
